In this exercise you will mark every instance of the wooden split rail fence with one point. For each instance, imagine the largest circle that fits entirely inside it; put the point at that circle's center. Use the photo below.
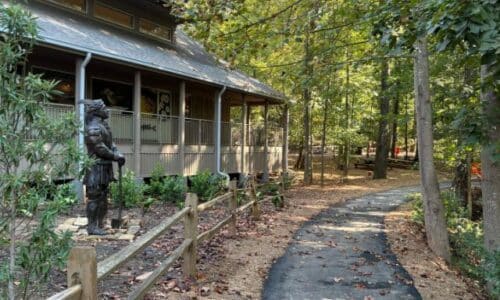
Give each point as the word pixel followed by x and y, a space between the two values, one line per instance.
pixel 83 272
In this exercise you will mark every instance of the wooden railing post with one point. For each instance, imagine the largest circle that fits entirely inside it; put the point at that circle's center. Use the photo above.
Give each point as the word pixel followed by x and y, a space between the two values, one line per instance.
pixel 191 232
pixel 283 188
pixel 232 205
pixel 82 269
pixel 255 206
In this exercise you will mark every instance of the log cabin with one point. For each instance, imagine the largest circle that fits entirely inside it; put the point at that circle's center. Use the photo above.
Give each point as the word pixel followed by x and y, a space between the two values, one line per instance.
pixel 172 103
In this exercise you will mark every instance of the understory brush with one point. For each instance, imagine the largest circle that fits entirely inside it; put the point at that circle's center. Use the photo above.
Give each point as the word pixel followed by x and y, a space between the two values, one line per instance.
pixel 166 188
pixel 206 185
pixel 271 189
pixel 466 241
pixel 132 191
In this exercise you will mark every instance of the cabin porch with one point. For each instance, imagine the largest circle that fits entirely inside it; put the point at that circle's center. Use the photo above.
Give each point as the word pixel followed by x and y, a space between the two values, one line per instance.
pixel 160 118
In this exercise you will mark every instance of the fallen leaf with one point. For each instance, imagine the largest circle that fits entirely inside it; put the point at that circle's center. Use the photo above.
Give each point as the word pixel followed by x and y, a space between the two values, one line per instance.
pixel 204 291
pixel 143 276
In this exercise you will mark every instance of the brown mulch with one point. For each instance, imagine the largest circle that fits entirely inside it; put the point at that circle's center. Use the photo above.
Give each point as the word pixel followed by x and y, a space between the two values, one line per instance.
pixel 432 276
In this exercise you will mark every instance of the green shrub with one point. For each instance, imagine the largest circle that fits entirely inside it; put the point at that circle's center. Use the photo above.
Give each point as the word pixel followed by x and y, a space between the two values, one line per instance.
pixel 288 179
pixel 155 187
pixel 133 191
pixel 166 188
pixel 271 189
pixel 206 185
pixel 466 241
pixel 173 189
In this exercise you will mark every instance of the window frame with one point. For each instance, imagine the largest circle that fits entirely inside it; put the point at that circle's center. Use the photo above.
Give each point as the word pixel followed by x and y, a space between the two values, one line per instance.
pixel 168 39
pixel 85 11
pixel 132 26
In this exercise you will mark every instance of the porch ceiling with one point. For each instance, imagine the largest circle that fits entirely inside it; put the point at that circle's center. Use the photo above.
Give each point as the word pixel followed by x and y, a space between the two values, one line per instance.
pixel 185 59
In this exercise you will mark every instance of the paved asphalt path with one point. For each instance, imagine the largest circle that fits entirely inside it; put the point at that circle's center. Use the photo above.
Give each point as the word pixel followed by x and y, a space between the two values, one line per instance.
pixel 343 253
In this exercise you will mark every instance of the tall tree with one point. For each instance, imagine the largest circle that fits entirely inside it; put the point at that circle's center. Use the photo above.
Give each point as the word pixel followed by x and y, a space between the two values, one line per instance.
pixel 347 124
pixel 395 114
pixel 380 169
pixel 435 223
pixel 490 162
pixel 308 72
pixel 475 26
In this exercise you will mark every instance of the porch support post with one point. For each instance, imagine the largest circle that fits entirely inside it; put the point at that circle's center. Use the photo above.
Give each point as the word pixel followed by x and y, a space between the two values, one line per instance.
pixel 250 144
pixel 265 176
pixel 284 151
pixel 137 124
pixel 182 126
pixel 243 136
pixel 80 78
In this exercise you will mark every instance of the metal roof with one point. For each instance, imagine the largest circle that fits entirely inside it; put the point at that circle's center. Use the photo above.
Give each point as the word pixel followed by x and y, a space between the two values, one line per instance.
pixel 186 58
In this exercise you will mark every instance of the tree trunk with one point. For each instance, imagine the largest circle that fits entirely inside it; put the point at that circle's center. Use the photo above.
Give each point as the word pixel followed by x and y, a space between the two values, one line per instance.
pixel 406 129
pixel 299 164
pixel 323 142
pixel 347 146
pixel 435 223
pixel 307 107
pixel 489 166
pixel 395 126
pixel 380 169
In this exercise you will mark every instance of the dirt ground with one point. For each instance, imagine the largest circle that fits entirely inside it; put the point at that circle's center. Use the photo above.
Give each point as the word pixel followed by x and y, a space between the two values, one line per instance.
pixel 243 260
pixel 433 278
pixel 235 267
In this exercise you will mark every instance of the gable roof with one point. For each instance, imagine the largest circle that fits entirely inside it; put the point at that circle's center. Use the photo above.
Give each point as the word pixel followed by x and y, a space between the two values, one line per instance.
pixel 186 58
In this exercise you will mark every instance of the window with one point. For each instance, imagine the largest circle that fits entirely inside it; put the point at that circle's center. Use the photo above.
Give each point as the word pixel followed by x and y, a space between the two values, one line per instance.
pixel 113 15
pixel 155 30
pixel 78 5
pixel 114 94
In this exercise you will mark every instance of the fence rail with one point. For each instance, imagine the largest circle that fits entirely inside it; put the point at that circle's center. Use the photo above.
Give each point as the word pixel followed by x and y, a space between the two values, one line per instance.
pixel 83 272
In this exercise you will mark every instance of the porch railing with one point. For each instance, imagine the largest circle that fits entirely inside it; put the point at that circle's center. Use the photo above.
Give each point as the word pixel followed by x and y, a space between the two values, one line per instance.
pixel 256 135
pixel 159 129
pixel 122 125
pixel 199 132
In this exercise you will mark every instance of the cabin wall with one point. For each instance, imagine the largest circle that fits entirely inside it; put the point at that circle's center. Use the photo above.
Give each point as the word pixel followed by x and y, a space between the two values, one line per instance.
pixel 159 132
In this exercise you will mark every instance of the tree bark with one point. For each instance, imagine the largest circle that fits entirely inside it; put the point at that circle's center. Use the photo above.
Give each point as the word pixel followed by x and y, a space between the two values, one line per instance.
pixel 435 223
pixel 395 125
pixel 299 164
pixel 406 129
pixel 489 166
pixel 307 107
pixel 380 169
pixel 323 142
pixel 347 146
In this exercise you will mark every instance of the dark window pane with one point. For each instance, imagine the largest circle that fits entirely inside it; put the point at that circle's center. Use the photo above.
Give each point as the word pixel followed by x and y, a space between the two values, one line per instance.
pixel 113 15
pixel 72 4
pixel 156 30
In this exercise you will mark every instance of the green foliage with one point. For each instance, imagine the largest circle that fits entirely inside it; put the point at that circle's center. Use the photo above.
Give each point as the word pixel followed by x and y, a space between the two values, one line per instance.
pixel 166 188
pixel 466 241
pixel 173 189
pixel 46 248
pixel 288 178
pixel 35 150
pixel 206 185
pixel 133 191
pixel 271 189
pixel 155 185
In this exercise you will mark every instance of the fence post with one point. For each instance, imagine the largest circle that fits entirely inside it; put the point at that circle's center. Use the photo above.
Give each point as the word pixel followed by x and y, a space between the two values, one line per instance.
pixel 191 232
pixel 255 206
pixel 283 188
pixel 82 269
pixel 232 205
